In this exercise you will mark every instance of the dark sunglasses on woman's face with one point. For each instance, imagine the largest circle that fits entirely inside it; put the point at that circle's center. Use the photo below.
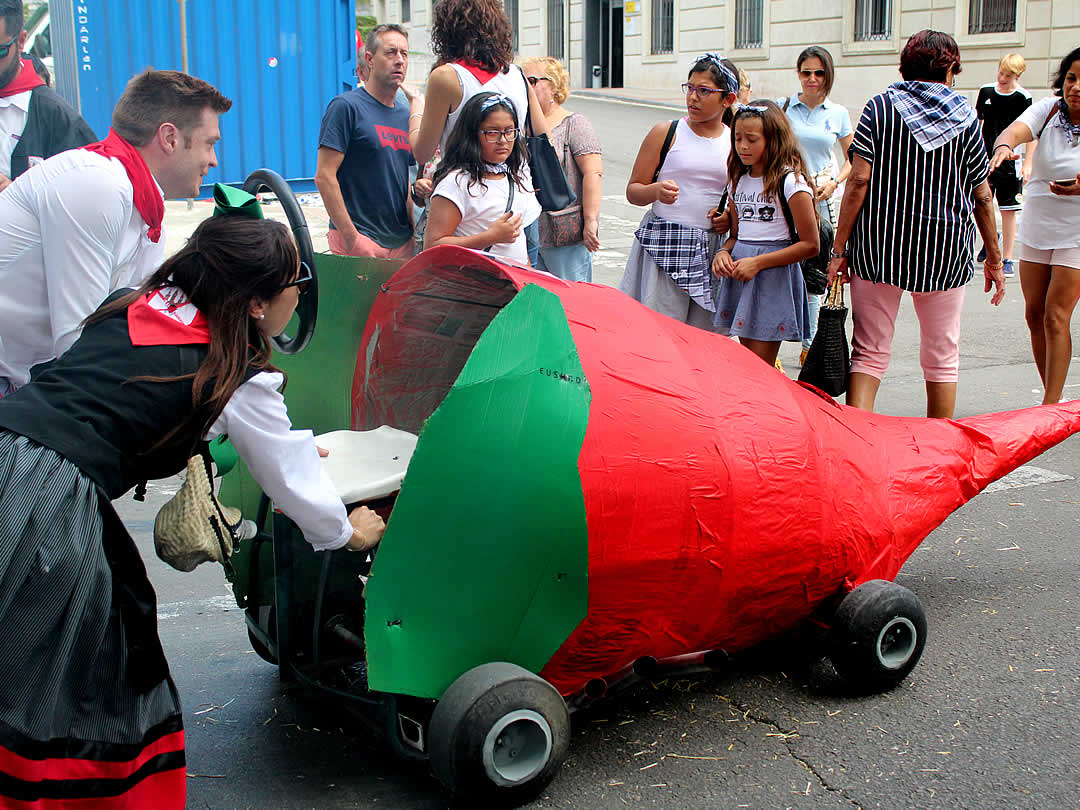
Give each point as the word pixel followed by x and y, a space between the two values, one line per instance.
pixel 6 49
pixel 535 80
pixel 303 278
pixel 806 74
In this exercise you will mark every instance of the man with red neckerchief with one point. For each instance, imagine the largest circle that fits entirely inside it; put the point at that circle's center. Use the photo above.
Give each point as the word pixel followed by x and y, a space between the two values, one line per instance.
pixel 87 222
pixel 35 123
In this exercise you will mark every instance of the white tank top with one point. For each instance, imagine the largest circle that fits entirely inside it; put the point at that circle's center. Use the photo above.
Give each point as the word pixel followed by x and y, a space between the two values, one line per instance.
pixel 510 84
pixel 699 166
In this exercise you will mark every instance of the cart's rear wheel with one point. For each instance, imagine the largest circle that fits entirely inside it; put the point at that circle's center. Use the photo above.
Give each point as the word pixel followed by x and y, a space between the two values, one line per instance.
pixel 498 735
pixel 877 635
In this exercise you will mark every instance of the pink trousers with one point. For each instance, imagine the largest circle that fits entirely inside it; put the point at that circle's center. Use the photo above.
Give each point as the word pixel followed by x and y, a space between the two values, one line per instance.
pixel 874 308
pixel 366 246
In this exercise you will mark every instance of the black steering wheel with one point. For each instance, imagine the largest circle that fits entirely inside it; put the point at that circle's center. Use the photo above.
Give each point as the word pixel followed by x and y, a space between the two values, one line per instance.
pixel 307 308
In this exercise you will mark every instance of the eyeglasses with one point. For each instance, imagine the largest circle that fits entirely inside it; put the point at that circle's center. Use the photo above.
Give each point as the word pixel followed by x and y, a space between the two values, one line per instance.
pixel 6 49
pixel 806 74
pixel 302 280
pixel 535 80
pixel 496 135
pixel 704 93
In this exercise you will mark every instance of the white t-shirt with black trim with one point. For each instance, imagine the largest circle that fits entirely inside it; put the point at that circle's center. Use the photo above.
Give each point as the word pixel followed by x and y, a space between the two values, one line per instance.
pixel 761 219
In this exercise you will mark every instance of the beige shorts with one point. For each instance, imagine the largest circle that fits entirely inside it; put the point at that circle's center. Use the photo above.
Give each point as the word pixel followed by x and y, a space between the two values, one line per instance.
pixel 1066 257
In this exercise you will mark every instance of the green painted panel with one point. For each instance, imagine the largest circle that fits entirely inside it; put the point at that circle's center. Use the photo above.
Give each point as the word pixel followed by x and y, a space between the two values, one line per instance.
pixel 320 378
pixel 485 557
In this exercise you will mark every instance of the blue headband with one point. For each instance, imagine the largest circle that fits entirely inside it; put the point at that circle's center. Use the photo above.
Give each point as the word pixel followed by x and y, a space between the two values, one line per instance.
pixel 496 98
pixel 730 78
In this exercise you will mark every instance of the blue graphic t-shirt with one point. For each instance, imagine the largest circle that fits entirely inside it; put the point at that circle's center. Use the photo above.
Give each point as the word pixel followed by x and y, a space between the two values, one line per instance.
pixel 374 174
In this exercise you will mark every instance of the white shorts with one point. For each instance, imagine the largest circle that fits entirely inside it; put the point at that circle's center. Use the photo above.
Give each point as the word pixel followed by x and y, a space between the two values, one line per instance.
pixel 1067 257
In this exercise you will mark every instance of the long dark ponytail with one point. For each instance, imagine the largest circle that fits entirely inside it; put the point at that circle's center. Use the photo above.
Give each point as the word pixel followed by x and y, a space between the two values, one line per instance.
pixel 227 262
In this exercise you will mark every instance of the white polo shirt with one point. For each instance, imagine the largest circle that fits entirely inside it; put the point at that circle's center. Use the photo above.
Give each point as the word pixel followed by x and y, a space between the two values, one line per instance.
pixel 69 236
pixel 13 113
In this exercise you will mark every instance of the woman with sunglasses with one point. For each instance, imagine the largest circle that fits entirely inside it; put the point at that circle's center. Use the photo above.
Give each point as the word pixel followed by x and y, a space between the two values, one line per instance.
pixel 819 124
pixel 568 238
pixel 681 171
pixel 156 371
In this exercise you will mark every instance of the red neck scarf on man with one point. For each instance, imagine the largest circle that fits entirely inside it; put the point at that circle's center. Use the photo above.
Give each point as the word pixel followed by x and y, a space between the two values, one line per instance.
pixel 27 79
pixel 147 198
pixel 482 74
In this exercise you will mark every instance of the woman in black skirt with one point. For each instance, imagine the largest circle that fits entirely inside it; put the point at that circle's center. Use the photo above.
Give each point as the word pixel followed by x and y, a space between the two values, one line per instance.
pixel 88 710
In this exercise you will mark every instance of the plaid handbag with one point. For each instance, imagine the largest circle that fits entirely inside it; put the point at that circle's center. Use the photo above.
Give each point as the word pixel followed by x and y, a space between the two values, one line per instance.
pixel 827 362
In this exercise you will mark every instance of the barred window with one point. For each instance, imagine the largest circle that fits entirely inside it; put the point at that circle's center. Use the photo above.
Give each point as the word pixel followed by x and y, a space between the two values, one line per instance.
pixel 873 20
pixel 662 26
pixel 511 7
pixel 991 16
pixel 555 28
pixel 406 10
pixel 749 23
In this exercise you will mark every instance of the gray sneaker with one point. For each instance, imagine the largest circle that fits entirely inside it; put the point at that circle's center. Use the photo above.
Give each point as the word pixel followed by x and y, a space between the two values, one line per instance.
pixel 1007 268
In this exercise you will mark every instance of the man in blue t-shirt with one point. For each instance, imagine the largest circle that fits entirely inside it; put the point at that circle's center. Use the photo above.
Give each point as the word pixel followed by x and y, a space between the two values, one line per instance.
pixel 364 156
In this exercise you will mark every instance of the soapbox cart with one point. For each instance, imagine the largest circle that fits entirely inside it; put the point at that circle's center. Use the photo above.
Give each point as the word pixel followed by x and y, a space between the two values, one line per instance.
pixel 577 495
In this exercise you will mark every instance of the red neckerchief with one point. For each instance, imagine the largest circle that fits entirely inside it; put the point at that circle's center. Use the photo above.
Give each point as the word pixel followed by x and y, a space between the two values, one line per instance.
pixel 147 198
pixel 482 74
pixel 27 79
pixel 166 318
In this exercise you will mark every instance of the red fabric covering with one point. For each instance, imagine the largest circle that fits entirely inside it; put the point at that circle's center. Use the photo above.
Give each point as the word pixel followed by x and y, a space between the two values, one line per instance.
pixel 148 201
pixel 724 501
pixel 482 74
pixel 155 320
pixel 160 789
pixel 26 79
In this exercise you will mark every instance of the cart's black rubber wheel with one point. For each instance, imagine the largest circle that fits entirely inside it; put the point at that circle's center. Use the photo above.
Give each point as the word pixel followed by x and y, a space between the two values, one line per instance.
pixel 307 308
pixel 498 735
pixel 877 635
pixel 261 649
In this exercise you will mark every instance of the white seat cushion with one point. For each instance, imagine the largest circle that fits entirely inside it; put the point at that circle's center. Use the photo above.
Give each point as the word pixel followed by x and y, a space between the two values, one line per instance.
pixel 368 464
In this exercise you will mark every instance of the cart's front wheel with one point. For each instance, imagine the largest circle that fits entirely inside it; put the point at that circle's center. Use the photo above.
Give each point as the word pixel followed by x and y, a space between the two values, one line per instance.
pixel 498 735
pixel 877 635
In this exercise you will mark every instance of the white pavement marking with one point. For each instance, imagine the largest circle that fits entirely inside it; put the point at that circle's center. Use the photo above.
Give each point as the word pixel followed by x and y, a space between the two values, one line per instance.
pixel 1027 476
pixel 625 103
pixel 215 604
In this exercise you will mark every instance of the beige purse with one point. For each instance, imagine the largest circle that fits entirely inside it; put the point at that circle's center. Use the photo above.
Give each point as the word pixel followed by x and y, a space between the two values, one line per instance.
pixel 194 527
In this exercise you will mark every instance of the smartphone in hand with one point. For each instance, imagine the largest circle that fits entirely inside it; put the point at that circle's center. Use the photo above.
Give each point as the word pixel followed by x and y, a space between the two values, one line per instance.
pixel 1069 181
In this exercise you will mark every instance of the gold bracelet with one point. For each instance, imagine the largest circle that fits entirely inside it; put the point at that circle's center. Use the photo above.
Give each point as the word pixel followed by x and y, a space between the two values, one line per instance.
pixel 416 115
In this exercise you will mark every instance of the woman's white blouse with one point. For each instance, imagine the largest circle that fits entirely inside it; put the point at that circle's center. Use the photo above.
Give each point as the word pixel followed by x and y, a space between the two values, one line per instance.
pixel 284 461
pixel 1049 220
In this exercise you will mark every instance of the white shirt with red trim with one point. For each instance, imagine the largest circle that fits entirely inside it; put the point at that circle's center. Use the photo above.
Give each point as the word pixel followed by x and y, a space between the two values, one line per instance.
pixel 69 236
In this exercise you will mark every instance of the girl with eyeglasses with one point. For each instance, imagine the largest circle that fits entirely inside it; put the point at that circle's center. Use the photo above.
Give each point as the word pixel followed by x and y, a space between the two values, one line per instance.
pixel 820 124
pixel 762 298
pixel 668 266
pixel 156 371
pixel 481 189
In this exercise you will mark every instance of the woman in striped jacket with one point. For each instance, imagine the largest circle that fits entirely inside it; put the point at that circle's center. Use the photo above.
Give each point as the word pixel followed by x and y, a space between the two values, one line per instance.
pixel 917 190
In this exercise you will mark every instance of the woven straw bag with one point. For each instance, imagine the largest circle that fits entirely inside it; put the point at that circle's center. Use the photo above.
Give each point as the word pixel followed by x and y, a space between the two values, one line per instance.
pixel 194 527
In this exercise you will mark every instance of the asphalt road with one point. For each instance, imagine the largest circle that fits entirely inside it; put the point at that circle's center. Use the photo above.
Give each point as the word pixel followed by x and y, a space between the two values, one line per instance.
pixel 987 719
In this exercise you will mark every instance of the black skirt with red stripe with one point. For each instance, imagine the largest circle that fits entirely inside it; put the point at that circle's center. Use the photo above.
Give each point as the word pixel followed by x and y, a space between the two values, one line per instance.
pixel 89 717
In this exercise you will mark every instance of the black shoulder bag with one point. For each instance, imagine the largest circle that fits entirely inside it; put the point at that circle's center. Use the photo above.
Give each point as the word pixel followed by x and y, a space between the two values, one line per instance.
pixel 549 180
pixel 815 270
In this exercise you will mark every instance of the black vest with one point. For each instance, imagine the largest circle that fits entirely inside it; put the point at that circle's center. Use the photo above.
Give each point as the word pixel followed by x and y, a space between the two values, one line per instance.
pixel 89 407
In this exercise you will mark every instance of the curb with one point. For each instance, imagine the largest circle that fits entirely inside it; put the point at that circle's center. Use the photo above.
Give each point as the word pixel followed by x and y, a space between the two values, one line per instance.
pixel 593 95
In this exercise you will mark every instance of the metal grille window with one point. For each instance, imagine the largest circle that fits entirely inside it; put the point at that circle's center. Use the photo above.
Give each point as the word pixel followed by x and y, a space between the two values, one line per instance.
pixel 749 23
pixel 555 30
pixel 662 26
pixel 511 7
pixel 991 16
pixel 873 20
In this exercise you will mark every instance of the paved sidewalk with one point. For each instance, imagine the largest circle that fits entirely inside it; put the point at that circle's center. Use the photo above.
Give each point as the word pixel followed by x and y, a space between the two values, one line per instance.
pixel 664 97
